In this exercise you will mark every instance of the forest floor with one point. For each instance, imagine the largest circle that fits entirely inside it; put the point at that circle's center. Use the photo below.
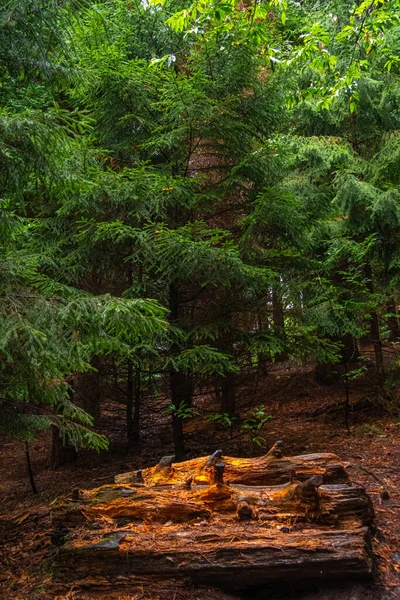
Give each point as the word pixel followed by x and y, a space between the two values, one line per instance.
pixel 290 394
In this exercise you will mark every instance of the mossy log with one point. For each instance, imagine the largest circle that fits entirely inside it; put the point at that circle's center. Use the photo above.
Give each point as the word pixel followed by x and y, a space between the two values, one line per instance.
pixel 270 469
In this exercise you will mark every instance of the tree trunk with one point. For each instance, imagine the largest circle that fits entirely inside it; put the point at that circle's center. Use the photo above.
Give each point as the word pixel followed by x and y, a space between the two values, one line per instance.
pixel 180 383
pixel 87 390
pixel 129 403
pixel 62 453
pixel 330 373
pixel 133 404
pixel 178 401
pixel 228 394
pixel 137 405
pixel 376 337
pixel 278 318
pixel 29 468
pixel 228 382
pixel 393 321
pixel 350 352
pixel 263 361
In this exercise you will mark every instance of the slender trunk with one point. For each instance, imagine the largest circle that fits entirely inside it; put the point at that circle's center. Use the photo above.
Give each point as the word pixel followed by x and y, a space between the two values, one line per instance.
pixel 278 318
pixel 262 360
pixel 277 309
pixel 62 452
pixel 376 336
pixel 228 383
pixel 129 403
pixel 30 471
pixel 177 421
pixel 180 384
pixel 133 404
pixel 350 352
pixel 347 392
pixel 330 373
pixel 228 396
pixel 137 399
pixel 87 389
pixel 393 320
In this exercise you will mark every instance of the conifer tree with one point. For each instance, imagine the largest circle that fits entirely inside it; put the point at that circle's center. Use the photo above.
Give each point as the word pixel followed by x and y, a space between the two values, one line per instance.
pixel 48 329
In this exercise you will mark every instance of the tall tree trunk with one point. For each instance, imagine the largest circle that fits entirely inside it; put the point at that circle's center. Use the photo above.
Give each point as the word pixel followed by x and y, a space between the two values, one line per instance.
pixel 133 403
pixel 228 396
pixel 277 309
pixel 62 452
pixel 87 389
pixel 137 401
pixel 129 403
pixel 228 383
pixel 329 373
pixel 393 320
pixel 263 361
pixel 181 395
pixel 278 317
pixel 376 337
pixel 180 383
pixel 350 352
pixel 29 468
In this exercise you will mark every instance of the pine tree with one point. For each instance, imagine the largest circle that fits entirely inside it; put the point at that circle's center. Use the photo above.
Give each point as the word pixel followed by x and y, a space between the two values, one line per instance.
pixel 49 330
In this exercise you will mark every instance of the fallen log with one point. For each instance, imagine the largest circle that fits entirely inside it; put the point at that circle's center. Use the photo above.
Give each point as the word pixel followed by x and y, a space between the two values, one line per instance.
pixel 229 558
pixel 327 504
pixel 270 469
pixel 198 520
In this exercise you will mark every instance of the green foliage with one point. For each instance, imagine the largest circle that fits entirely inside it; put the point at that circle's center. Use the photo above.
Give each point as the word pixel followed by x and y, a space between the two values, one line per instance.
pixel 192 187
pixel 183 411
pixel 49 329
pixel 251 425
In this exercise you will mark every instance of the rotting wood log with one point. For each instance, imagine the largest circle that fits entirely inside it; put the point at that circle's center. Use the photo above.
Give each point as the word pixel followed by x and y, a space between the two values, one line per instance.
pixel 236 558
pixel 198 520
pixel 328 504
pixel 270 469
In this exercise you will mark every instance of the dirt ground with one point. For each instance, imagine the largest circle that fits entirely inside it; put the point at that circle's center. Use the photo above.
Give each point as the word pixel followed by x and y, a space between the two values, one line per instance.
pixel 290 395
